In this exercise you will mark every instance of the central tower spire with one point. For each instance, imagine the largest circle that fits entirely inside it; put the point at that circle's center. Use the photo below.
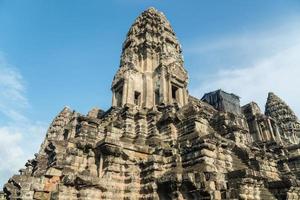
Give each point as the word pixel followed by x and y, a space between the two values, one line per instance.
pixel 151 69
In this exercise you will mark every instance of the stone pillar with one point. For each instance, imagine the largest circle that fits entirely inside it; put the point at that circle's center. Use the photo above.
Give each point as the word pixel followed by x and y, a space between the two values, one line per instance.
pixel 114 103
pixel 130 91
pixel 125 92
pixel 148 90
pixel 129 126
pixel 174 134
pixel 258 132
pixel 180 97
pixel 275 128
pixel 154 137
pixel 170 99
pixel 261 132
pixel 142 128
pixel 91 164
pixel 163 86
pixel 267 130
pixel 100 167
pixel 271 129
pixel 265 135
pixel 185 95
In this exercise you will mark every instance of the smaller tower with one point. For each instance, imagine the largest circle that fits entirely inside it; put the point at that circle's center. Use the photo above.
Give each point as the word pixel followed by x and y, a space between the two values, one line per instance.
pixel 284 116
pixel 151 70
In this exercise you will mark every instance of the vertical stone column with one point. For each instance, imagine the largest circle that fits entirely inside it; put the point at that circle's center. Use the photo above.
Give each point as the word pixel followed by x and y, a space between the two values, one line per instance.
pixel 265 134
pixel 163 86
pixel 154 137
pixel 267 131
pixel 185 96
pixel 174 133
pixel 148 90
pixel 114 103
pixel 262 133
pixel 258 132
pixel 130 91
pixel 91 163
pixel 271 129
pixel 125 92
pixel 100 166
pixel 277 134
pixel 129 126
pixel 180 97
pixel 141 129
pixel 170 99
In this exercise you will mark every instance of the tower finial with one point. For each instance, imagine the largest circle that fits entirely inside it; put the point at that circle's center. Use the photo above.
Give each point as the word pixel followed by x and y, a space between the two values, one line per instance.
pixel 152 9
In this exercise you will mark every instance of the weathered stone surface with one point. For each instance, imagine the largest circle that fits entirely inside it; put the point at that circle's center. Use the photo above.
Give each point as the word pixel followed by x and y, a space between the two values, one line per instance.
pixel 285 118
pixel 157 142
pixel 2 196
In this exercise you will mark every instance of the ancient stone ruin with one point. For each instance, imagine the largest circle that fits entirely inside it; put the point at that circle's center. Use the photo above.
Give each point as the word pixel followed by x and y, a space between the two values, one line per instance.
pixel 158 142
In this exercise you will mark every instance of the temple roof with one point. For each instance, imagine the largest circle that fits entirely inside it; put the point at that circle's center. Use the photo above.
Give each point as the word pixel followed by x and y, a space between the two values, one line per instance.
pixel 150 44
pixel 151 27
pixel 151 33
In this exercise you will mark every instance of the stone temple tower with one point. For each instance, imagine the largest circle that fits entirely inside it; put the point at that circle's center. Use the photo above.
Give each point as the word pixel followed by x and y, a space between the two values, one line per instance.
pixel 284 116
pixel 151 69
pixel 157 142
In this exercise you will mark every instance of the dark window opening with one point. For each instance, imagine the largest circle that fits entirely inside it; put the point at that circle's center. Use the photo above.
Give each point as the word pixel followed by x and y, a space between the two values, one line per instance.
pixel 137 98
pixel 66 134
pixel 157 97
pixel 174 92
pixel 118 96
pixel 164 190
pixel 262 126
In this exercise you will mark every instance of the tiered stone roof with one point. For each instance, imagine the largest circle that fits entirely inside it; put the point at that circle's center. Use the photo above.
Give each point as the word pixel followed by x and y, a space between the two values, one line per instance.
pixel 279 110
pixel 284 116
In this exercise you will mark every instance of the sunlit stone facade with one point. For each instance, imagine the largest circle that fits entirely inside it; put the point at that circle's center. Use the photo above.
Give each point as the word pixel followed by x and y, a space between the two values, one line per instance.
pixel 158 142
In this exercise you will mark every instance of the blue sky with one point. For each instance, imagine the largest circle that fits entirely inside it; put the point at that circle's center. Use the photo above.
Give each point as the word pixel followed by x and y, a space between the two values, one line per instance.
pixel 65 52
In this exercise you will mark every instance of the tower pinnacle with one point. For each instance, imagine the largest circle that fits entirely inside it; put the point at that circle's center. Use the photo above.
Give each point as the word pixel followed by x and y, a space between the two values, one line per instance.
pixel 276 107
pixel 284 115
pixel 151 69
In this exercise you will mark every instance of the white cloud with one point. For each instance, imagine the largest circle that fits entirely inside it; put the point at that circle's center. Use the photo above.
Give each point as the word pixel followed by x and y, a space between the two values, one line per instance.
pixel 12 98
pixel 273 65
pixel 18 144
pixel 10 156
pixel 20 137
